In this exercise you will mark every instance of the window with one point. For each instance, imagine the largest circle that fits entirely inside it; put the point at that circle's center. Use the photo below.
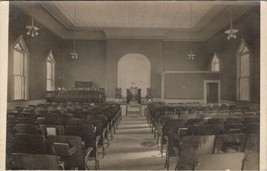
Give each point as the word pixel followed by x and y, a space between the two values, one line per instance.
pixel 50 72
pixel 215 63
pixel 243 72
pixel 20 72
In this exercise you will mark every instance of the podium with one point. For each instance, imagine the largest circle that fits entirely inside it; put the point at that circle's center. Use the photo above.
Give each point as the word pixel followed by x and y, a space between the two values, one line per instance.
pixel 133 101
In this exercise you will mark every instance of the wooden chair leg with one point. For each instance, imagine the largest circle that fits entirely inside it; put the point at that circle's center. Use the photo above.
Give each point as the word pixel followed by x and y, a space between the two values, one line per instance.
pixel 161 147
pixel 167 160
pixel 103 146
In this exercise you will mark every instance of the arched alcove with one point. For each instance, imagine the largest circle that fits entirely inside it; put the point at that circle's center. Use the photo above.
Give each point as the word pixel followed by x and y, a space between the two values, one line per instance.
pixel 134 68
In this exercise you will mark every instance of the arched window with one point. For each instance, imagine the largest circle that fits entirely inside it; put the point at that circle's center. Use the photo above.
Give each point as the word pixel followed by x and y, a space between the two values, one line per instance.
pixel 50 72
pixel 243 72
pixel 20 70
pixel 215 63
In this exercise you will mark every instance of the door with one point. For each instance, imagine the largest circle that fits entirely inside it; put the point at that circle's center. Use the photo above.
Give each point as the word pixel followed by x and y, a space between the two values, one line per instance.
pixel 212 92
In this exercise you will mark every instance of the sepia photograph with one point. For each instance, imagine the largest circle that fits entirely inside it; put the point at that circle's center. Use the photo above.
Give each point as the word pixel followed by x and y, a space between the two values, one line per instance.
pixel 132 85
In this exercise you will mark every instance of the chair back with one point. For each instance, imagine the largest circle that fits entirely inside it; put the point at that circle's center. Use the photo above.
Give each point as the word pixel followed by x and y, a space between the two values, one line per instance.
pixel 27 128
pixel 229 143
pixel 228 161
pixel 29 143
pixel 76 159
pixel 192 147
pixel 22 161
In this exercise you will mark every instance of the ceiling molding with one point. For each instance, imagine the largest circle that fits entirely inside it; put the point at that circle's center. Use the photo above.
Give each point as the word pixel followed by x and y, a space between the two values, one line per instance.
pixel 57 14
pixel 215 19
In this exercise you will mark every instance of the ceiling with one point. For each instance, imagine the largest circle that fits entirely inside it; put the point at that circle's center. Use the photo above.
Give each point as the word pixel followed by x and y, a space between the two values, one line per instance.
pixel 167 20
pixel 134 15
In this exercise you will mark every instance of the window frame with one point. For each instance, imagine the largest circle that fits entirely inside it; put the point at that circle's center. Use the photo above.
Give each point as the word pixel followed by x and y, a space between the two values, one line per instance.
pixel 51 60
pixel 212 64
pixel 241 53
pixel 25 69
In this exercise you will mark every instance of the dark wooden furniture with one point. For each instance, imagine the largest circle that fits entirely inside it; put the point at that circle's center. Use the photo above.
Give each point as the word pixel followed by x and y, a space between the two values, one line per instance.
pixel 76 95
pixel 133 101
pixel 118 96
pixel 133 95
pixel 84 84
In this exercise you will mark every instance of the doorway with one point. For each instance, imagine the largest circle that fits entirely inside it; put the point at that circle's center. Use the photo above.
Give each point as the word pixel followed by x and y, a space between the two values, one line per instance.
pixel 212 91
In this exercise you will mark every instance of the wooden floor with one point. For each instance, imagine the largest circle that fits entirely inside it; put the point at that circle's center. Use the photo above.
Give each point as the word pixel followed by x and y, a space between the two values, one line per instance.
pixel 133 148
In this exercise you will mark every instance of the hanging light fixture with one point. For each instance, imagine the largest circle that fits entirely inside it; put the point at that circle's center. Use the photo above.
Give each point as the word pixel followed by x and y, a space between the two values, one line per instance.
pixel 231 33
pixel 191 55
pixel 73 54
pixel 32 30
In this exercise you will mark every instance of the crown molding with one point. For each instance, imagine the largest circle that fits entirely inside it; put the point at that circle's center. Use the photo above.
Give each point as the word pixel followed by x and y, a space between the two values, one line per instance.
pixel 47 14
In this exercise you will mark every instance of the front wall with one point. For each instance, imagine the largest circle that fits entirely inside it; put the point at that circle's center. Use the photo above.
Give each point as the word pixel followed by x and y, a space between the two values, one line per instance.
pixel 152 49
pixel 186 85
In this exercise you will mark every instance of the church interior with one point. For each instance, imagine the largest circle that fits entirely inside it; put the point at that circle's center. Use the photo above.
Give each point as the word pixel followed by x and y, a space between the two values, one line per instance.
pixel 133 85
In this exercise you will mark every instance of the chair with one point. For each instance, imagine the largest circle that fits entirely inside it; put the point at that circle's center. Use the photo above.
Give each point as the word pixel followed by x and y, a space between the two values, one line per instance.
pixel 149 95
pixel 208 129
pixel 20 161
pixel 75 159
pixel 191 148
pixel 251 119
pixel 100 131
pixel 228 161
pixel 159 125
pixel 168 127
pixel 45 120
pixel 29 143
pixel 229 143
pixel 27 114
pixel 74 121
pixel 118 96
pixel 252 128
pixel 233 128
pixel 87 133
pixel 252 152
pixel 234 120
pixel 27 128
pixel 25 120
pixel 105 123
pixel 195 122
pixel 176 133
pixel 11 124
pixel 215 121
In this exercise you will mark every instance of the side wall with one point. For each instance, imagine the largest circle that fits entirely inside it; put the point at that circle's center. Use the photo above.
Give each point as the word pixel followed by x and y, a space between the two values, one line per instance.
pixel 249 30
pixel 39 48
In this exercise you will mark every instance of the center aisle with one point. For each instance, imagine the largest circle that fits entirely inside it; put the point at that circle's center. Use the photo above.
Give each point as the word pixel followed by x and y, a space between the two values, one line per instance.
pixel 133 147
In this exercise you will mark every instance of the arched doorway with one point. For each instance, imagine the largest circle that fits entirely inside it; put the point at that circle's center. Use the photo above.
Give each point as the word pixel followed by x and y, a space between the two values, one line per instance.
pixel 134 68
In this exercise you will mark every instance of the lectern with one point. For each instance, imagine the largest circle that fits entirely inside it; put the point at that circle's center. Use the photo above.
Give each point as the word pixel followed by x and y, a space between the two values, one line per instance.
pixel 133 101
